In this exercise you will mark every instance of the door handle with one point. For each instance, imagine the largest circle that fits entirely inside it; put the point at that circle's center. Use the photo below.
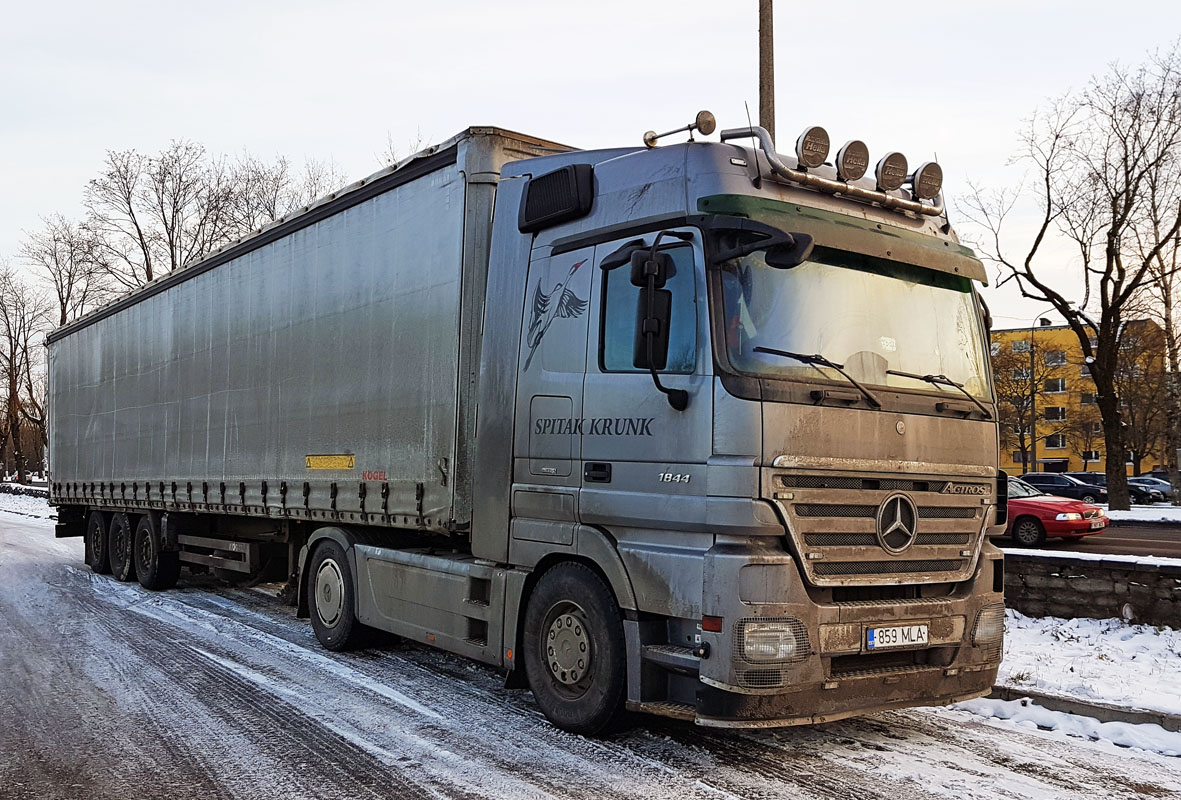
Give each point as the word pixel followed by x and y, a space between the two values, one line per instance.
pixel 595 472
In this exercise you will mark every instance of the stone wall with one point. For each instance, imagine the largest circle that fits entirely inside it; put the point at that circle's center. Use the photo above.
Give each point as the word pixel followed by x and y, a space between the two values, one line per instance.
pixel 1041 585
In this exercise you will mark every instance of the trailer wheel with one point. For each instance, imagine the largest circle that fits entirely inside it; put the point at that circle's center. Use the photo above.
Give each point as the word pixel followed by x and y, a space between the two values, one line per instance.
pixel 122 541
pixel 97 551
pixel 332 600
pixel 156 570
pixel 575 656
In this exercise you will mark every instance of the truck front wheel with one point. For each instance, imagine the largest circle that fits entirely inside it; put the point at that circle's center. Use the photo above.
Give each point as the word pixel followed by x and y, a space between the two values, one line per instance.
pixel 331 599
pixel 97 552
pixel 121 540
pixel 575 655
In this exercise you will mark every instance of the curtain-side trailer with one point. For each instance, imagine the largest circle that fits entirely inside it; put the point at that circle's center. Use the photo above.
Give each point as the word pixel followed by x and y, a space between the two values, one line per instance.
pixel 694 430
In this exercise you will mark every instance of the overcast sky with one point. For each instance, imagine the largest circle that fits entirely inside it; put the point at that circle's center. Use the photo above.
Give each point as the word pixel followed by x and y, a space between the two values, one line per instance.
pixel 332 80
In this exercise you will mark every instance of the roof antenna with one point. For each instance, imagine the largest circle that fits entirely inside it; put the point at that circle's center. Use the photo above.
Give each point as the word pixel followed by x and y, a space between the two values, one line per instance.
pixel 758 178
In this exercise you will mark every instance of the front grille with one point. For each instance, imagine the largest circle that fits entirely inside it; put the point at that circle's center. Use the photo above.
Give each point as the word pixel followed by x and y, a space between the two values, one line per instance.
pixel 947 512
pixel 830 568
pixel 868 484
pixel 869 539
pixel 847 511
pixel 871 663
pixel 1091 513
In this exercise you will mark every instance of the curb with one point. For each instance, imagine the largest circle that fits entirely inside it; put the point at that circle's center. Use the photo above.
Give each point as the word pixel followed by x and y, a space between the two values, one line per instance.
pixel 1144 523
pixel 1104 712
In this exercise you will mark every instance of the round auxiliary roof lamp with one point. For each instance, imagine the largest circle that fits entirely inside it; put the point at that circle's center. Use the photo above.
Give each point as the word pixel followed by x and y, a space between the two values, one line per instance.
pixel 927 180
pixel 812 147
pixel 852 160
pixel 891 172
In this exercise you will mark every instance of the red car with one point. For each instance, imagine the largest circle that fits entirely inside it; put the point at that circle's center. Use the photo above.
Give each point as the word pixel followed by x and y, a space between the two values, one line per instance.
pixel 1033 516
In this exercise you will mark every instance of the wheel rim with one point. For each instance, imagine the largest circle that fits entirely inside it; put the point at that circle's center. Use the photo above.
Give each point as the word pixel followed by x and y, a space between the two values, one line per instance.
pixel 567 649
pixel 119 544
pixel 1088 499
pixel 1027 533
pixel 145 552
pixel 329 592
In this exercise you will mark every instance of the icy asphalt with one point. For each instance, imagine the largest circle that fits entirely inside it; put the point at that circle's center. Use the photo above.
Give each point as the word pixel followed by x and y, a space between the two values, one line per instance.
pixel 107 690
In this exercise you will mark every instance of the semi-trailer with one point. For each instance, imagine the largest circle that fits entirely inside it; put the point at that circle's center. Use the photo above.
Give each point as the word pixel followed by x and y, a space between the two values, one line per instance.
pixel 699 430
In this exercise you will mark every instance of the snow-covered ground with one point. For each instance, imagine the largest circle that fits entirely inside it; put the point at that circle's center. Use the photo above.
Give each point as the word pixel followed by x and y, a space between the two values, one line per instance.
pixel 1104 661
pixel 1158 512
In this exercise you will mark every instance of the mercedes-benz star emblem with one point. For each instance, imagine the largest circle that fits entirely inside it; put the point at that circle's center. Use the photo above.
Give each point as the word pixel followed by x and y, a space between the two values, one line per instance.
pixel 897 523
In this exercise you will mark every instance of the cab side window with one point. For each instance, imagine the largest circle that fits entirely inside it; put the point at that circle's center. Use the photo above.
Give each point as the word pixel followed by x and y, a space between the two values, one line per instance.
pixel 620 318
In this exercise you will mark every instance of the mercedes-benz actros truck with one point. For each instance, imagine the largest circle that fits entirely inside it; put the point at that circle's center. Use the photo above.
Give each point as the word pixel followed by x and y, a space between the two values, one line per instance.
pixel 695 429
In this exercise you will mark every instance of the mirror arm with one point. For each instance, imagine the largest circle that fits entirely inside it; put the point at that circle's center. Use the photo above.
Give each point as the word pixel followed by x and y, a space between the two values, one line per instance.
pixel 677 398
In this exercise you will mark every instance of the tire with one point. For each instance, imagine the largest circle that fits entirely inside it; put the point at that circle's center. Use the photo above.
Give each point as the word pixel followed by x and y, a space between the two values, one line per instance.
pixel 1088 498
pixel 122 540
pixel 155 569
pixel 332 599
pixel 572 612
pixel 97 548
pixel 1029 532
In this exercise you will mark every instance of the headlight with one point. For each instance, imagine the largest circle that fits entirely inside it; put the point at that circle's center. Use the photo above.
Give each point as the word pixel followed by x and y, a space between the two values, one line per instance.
pixel 1068 517
pixel 764 642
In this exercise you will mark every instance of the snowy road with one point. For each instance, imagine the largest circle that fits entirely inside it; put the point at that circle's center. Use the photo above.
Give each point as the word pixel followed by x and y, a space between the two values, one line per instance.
pixel 107 690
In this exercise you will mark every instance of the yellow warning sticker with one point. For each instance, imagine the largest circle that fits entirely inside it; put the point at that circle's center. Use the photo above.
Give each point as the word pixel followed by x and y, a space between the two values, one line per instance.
pixel 330 462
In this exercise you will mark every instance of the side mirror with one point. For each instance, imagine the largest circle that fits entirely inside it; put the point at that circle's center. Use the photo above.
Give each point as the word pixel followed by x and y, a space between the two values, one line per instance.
pixel 644 265
pixel 791 254
pixel 653 318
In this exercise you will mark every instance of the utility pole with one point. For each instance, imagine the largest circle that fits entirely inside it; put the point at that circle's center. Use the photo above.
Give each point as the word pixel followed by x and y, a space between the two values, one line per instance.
pixel 766 68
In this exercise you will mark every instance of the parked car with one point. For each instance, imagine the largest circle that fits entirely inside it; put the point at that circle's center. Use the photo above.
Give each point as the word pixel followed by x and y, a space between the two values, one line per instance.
pixel 1139 494
pixel 1065 486
pixel 1034 516
pixel 1161 485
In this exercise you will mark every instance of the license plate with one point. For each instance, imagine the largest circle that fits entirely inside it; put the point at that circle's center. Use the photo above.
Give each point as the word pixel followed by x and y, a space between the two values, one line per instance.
pixel 896 636
pixel 1098 523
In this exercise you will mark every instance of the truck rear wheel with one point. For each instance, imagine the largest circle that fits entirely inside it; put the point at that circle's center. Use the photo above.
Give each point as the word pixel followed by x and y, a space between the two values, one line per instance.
pixel 121 539
pixel 156 570
pixel 97 551
pixel 575 656
pixel 331 599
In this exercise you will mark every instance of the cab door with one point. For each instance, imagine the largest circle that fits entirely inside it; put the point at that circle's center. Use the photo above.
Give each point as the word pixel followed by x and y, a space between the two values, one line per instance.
pixel 643 463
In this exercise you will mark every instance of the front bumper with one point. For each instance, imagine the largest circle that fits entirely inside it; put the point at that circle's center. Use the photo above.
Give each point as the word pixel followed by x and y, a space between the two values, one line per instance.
pixel 834 673
pixel 1081 527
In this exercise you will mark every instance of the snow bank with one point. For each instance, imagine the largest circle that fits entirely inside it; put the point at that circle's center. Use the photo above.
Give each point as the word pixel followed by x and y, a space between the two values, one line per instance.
pixel 26 506
pixel 1147 561
pixel 1023 713
pixel 1153 513
pixel 1107 661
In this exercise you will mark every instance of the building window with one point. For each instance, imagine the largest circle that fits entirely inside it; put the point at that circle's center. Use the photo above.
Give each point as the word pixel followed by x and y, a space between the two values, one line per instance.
pixel 1055 358
pixel 1094 342
pixel 1055 441
pixel 1021 374
pixel 1087 398
pixel 1054 413
pixel 1055 385
pixel 1090 456
pixel 1084 371
pixel 995 348
pixel 1018 457
pixel 1021 346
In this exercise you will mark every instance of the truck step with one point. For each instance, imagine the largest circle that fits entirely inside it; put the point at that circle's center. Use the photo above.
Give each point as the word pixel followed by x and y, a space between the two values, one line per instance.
pixel 664 708
pixel 672 656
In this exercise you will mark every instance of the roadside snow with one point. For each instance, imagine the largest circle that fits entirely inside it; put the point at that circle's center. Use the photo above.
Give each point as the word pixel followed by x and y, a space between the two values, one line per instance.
pixel 1154 513
pixel 1107 661
pixel 26 506
pixel 1149 561
pixel 1025 714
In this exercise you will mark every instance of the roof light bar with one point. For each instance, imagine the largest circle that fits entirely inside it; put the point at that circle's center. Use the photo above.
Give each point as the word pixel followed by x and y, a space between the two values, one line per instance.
pixel 893 164
pixel 812 147
pixel 891 172
pixel 927 180
pixel 852 160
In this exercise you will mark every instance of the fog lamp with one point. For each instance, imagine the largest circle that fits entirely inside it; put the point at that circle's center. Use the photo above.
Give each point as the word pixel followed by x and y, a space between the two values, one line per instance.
pixel 891 172
pixel 852 160
pixel 990 625
pixel 927 180
pixel 812 147
pixel 764 642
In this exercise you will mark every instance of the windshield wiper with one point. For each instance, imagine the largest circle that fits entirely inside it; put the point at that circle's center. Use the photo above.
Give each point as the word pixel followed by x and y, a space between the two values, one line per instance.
pixel 943 380
pixel 817 359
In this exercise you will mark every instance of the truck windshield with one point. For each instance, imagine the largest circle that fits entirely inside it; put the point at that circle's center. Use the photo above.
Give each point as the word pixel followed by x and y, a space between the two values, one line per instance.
pixel 871 316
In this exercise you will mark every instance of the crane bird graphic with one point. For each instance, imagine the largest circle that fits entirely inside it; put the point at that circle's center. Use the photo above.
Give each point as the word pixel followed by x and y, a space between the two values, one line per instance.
pixel 560 302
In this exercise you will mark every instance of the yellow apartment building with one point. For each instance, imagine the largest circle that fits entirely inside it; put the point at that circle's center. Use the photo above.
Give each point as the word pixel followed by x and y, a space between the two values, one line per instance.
pixel 1066 434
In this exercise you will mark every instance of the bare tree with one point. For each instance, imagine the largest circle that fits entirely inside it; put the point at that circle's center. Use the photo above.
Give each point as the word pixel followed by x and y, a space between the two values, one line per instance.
pixel 1084 432
pixel 23 315
pixel 126 242
pixel 1094 156
pixel 1140 382
pixel 392 154
pixel 265 192
pixel 66 256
